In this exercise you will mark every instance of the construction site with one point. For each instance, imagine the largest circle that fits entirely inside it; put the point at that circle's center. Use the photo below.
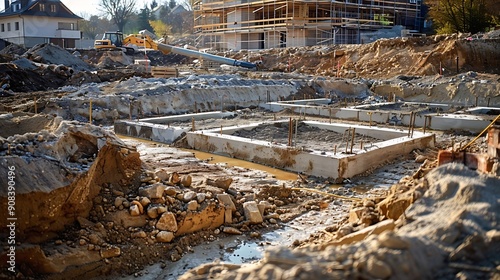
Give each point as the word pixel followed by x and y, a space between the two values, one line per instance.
pixel 333 161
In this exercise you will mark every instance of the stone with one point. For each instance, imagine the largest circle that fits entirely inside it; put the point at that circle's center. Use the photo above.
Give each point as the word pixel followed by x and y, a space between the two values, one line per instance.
pixel 192 205
pixel 138 234
pixel 84 223
pixel 170 191
pixel 377 268
pixel 356 214
pixel 110 252
pixel 222 183
pixel 188 196
pixel 154 191
pixel 152 212
pixel 162 174
pixel 134 210
pixel 227 201
pixel 95 239
pixel 200 197
pixel 145 201
pixel 186 181
pixel 165 236
pixel 174 178
pixel 263 206
pixel 167 222
pixel 228 216
pixel 119 201
pixel 162 209
pixel 139 206
pixel 231 230
pixel 252 212
pixel 368 203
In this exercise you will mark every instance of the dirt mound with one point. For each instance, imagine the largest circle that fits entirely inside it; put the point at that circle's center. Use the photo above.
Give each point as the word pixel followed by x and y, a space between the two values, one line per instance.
pixel 53 54
pixel 454 222
pixel 60 167
pixel 13 50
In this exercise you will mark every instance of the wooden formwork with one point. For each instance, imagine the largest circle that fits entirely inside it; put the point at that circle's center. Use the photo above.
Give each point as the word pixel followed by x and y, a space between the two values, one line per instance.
pixel 164 72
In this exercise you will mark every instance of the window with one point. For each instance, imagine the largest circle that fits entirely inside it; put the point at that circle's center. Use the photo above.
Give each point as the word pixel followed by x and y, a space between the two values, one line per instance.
pixel 3 27
pixel 53 8
pixel 8 26
pixel 42 7
pixel 16 25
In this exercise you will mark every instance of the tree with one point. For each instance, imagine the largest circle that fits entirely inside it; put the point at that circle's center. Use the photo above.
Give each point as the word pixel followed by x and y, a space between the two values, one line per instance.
pixel 172 4
pixel 466 16
pixel 144 18
pixel 94 26
pixel 119 10
pixel 161 29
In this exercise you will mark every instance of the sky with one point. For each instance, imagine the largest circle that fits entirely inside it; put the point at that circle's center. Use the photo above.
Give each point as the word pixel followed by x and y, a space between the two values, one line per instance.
pixel 87 8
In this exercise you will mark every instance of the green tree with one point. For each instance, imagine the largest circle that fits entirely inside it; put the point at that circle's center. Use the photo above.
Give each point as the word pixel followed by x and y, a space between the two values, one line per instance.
pixel 119 10
pixel 161 29
pixel 143 19
pixel 465 16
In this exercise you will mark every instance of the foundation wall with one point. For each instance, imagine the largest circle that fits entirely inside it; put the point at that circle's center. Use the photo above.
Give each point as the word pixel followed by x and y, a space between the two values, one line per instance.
pixel 470 123
pixel 149 131
pixel 327 165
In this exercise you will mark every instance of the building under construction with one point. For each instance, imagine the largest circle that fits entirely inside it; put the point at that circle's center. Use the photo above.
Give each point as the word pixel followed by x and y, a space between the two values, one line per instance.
pixel 263 24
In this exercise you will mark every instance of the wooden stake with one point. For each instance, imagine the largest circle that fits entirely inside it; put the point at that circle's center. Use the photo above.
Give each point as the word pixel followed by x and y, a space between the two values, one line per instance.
pixel 90 111
pixel 36 107
pixel 352 139
pixel 192 124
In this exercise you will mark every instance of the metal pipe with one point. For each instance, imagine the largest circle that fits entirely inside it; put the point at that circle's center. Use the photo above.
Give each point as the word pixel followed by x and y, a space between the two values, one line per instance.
pixel 196 54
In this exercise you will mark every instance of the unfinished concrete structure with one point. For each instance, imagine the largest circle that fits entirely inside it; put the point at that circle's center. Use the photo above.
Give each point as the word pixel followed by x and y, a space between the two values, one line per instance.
pixel 239 24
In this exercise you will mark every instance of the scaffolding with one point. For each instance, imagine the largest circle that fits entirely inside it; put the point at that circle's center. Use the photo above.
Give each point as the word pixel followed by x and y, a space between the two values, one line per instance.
pixel 263 24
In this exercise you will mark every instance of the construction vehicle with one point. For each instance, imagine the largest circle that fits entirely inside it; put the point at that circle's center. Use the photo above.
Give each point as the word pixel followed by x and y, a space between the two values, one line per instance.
pixel 113 41
pixel 134 42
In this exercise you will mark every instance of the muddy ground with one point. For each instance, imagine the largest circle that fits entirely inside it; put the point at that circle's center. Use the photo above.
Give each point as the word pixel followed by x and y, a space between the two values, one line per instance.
pixel 90 204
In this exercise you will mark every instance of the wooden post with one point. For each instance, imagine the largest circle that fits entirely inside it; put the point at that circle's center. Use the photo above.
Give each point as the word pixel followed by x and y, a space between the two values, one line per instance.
pixel 352 139
pixel 90 111
pixel 36 107
pixel 330 114
pixel 193 128
pixel 370 114
pixel 361 145
pixel 409 124
pixel 488 102
pixel 195 107
pixel 290 129
pixel 221 129
pixel 335 149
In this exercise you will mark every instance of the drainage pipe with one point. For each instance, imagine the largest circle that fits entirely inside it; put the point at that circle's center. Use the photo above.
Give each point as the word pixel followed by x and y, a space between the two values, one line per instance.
pixel 201 55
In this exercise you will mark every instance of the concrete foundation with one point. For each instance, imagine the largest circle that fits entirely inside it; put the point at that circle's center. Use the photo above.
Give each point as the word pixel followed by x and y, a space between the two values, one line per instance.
pixel 158 129
pixel 472 121
pixel 329 164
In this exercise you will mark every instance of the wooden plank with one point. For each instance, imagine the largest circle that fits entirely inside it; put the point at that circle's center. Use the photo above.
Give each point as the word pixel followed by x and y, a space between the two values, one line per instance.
pixel 164 72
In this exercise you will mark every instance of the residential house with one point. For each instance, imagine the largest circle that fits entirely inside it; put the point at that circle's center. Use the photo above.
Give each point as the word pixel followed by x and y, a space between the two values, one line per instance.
pixel 263 24
pixel 31 22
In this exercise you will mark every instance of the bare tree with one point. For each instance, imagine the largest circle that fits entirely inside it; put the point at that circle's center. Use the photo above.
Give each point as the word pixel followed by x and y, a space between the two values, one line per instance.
pixel 119 10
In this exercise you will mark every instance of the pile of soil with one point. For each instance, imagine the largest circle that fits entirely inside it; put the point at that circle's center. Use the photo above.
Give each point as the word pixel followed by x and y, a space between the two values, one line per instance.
pixel 451 218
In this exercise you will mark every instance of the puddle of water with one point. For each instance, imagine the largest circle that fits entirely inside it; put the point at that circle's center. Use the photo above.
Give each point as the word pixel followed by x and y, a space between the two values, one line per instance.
pixel 244 253
pixel 279 174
